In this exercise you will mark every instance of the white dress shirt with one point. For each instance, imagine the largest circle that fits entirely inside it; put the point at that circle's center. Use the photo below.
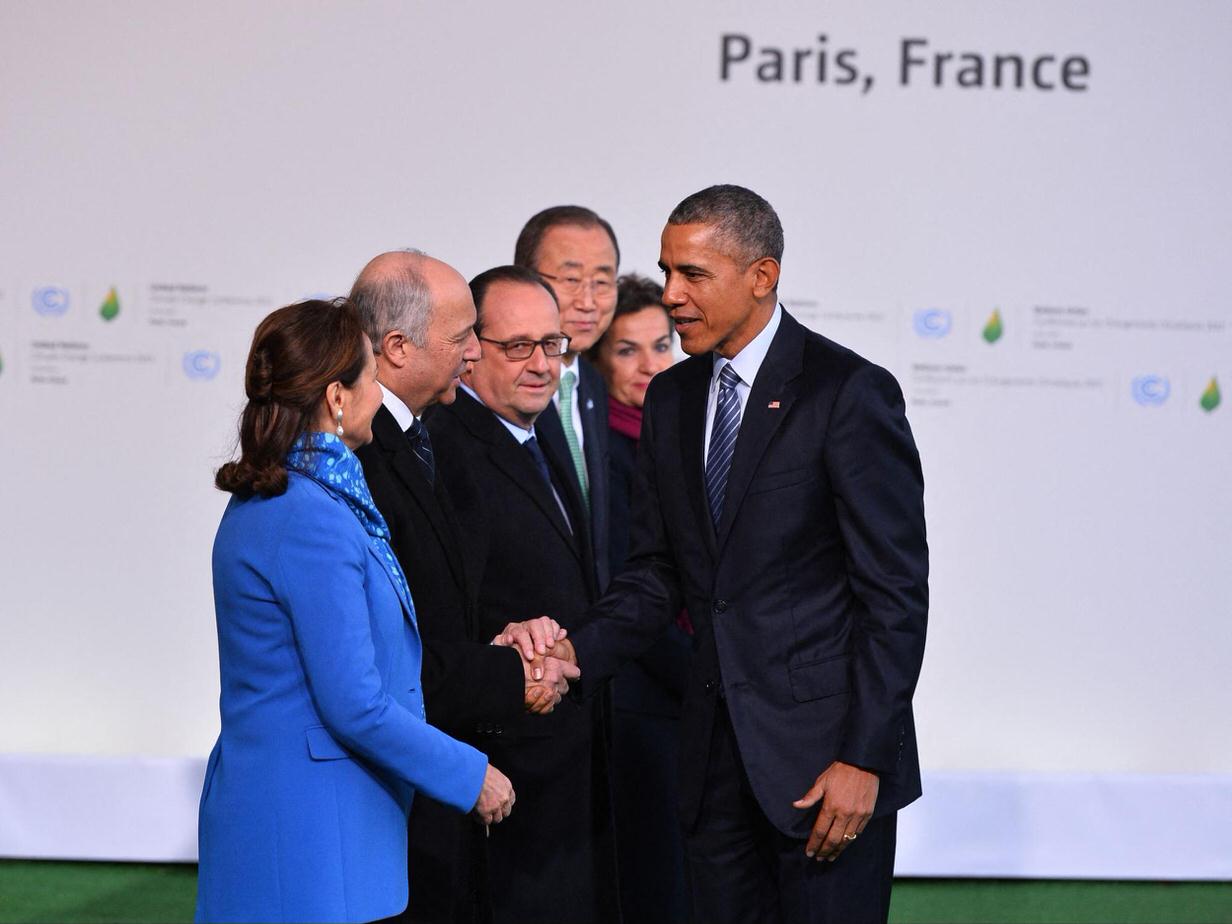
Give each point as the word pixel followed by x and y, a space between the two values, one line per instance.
pixel 747 363
pixel 396 406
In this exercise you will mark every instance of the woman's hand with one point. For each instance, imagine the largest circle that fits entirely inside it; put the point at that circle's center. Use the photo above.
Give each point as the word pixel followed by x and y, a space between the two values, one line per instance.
pixel 496 798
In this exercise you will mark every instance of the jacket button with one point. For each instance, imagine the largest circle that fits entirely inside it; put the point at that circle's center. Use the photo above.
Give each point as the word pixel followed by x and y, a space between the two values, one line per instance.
pixel 720 606
pixel 710 685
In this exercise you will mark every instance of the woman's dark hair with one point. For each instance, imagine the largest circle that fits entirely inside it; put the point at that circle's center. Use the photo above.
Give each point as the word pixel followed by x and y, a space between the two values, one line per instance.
pixel 633 293
pixel 296 352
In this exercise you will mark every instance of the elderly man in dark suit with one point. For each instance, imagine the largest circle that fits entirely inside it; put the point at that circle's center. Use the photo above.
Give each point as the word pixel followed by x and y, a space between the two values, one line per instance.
pixel 780 497
pixel 558 865
pixel 576 252
pixel 420 317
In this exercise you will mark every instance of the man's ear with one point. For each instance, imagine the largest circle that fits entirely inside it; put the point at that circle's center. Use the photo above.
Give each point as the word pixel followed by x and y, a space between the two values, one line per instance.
pixel 765 276
pixel 393 348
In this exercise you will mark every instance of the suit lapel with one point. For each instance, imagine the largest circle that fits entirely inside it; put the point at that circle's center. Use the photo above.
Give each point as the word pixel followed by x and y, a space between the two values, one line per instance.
pixel 402 460
pixel 514 460
pixel 693 394
pixel 769 402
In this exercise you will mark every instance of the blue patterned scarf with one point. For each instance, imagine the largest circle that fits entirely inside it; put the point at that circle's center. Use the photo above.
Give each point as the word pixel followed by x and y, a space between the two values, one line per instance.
pixel 325 459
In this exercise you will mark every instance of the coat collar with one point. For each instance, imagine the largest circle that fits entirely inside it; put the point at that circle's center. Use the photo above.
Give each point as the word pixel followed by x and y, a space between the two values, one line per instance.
pixel 515 461
pixel 394 446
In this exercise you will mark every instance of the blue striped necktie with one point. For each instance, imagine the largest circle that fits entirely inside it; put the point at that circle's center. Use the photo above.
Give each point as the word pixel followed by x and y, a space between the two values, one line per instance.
pixel 722 441
pixel 421 445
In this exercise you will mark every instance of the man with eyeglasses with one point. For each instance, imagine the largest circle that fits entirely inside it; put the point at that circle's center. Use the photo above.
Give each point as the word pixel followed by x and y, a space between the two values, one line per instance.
pixel 576 252
pixel 528 539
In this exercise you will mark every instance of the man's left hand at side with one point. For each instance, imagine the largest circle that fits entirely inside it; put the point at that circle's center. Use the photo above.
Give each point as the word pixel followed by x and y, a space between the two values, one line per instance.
pixel 847 795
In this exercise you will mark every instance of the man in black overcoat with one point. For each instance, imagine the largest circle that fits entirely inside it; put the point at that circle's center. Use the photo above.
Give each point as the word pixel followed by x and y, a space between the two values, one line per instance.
pixel 420 317
pixel 553 859
pixel 576 252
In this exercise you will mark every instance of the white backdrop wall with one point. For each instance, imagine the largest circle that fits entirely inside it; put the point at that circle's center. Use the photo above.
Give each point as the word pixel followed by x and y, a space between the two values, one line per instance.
pixel 210 162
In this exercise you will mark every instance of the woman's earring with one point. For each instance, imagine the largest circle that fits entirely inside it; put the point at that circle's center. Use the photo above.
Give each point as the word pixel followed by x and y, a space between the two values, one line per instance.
pixel 339 418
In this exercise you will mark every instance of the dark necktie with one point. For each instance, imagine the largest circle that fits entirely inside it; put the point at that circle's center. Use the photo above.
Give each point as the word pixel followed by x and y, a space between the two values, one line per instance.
pixel 421 445
pixel 541 462
pixel 722 441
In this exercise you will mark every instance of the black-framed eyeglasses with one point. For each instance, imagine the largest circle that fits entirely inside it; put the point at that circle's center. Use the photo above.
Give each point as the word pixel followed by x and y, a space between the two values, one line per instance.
pixel 523 349
pixel 601 288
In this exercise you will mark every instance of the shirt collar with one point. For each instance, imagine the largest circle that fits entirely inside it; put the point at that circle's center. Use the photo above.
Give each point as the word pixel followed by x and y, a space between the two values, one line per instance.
pixel 748 361
pixel 519 434
pixel 398 408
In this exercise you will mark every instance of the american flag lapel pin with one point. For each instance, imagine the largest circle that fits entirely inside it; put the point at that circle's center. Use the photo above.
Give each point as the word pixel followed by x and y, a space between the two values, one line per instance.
pixel 773 406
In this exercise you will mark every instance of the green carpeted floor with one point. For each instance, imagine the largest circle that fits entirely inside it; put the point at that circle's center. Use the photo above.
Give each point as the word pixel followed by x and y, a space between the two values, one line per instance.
pixel 38 891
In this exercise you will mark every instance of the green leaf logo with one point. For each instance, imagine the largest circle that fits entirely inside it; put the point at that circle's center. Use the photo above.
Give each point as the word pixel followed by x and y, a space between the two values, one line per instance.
pixel 1211 397
pixel 994 328
pixel 110 306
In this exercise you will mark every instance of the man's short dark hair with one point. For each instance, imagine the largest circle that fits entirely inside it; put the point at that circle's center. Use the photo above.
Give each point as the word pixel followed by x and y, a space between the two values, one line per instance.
pixel 526 251
pixel 743 220
pixel 519 275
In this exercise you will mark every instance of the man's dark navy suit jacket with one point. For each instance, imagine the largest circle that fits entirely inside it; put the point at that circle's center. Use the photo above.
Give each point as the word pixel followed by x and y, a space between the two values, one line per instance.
pixel 809 600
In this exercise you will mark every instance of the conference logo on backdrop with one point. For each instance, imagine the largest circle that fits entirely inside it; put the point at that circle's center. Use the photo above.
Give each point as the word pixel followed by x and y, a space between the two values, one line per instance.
pixel 1150 390
pixel 933 323
pixel 1211 397
pixel 994 328
pixel 202 365
pixel 50 301
pixel 109 310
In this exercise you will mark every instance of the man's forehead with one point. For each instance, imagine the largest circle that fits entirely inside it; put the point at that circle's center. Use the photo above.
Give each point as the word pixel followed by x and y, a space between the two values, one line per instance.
pixel 696 244
pixel 575 246
pixel 520 311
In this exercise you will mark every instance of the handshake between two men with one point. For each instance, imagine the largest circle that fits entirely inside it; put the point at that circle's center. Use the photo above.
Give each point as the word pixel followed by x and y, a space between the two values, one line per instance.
pixel 548 663
pixel 548 660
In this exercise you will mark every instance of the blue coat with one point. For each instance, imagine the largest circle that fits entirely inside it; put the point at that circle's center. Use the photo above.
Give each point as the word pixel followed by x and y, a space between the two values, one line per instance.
pixel 324 740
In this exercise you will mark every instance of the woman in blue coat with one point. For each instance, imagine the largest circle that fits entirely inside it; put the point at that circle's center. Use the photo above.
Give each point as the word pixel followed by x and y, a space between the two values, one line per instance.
pixel 324 741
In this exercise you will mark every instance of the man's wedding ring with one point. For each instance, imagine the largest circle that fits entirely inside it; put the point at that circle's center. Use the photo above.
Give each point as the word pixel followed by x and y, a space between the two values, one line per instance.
pixel 850 837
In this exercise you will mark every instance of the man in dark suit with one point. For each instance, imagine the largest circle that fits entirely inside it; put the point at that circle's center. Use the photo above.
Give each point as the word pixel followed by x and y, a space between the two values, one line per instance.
pixel 576 252
pixel 420 317
pixel 558 864
pixel 779 496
